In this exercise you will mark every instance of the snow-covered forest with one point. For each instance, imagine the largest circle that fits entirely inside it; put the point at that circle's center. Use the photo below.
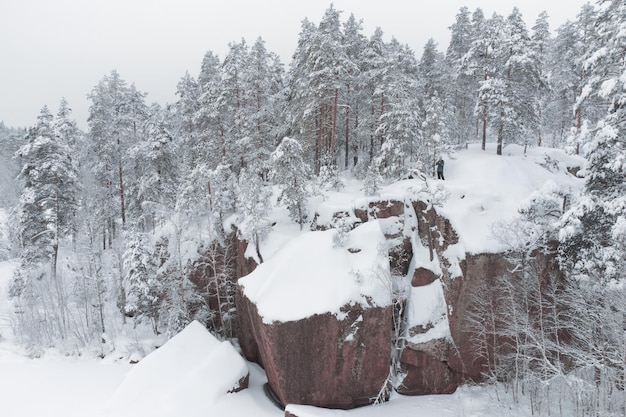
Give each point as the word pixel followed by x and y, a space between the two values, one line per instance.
pixel 129 229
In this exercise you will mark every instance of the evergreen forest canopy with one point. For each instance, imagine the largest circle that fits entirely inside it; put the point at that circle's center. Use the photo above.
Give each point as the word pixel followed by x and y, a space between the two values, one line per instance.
pixel 108 224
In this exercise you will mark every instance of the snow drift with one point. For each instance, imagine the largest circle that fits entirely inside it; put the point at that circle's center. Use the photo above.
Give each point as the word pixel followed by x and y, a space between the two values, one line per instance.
pixel 191 365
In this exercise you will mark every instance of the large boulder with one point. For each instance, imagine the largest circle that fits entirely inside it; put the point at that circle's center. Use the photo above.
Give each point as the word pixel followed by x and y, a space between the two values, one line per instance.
pixel 426 373
pixel 318 317
pixel 326 361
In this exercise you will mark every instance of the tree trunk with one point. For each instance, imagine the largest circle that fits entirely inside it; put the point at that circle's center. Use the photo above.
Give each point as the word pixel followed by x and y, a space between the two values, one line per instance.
pixel 500 133
pixel 258 250
pixel 347 144
pixel 355 146
pixel 53 261
pixel 122 205
pixel 318 145
pixel 111 234
pixel 484 141
pixel 333 132
pixel 382 111
pixel 372 133
pixel 578 125
pixel 539 139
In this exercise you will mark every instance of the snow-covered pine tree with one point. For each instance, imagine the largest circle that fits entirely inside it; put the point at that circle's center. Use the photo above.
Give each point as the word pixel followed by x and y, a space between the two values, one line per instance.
pixel 115 116
pixel 400 149
pixel 373 83
pixel 290 172
pixel 253 202
pixel 47 215
pixel 155 171
pixel 483 61
pixel 524 84
pixel 265 75
pixel 540 43
pixel 234 102
pixel 435 134
pixel 331 69
pixel 398 126
pixel 10 142
pixel 373 179
pixel 187 105
pixel 208 118
pixel 593 236
pixel 585 40
pixel 459 84
pixel 145 291
pixel 558 117
pixel 36 240
pixel 69 137
pixel 511 74
pixel 431 75
pixel 320 69
pixel 50 195
pixel 354 41
pixel 301 109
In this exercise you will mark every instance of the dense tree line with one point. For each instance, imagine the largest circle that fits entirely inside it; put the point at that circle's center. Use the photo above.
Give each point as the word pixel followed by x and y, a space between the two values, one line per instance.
pixel 558 334
pixel 112 222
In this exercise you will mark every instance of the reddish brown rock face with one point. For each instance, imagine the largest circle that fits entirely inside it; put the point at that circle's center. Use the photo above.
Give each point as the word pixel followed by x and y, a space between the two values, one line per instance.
pixel 244 265
pixel 478 270
pixel 426 374
pixel 434 230
pixel 423 276
pixel 323 361
pixel 380 210
pixel 247 334
pixel 313 361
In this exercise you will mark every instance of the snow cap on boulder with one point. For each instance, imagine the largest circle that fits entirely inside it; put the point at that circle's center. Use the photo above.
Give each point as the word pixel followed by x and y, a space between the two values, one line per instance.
pixel 314 274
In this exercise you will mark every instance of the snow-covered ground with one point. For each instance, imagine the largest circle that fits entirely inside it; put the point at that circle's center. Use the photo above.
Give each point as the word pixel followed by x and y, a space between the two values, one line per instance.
pixel 485 189
pixel 482 189
pixel 162 385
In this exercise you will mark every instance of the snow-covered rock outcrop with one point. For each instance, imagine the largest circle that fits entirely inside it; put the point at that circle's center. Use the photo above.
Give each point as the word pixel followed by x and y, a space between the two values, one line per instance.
pixel 327 344
pixel 318 318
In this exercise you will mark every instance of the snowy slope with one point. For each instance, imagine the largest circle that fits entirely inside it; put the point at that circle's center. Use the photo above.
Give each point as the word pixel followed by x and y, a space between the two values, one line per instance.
pixel 485 188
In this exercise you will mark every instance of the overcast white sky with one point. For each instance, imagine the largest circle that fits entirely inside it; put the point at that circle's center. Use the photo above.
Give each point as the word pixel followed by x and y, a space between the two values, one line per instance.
pixel 61 48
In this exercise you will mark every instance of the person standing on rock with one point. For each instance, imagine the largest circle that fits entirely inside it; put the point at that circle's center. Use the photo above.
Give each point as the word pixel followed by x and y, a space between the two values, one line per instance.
pixel 439 165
